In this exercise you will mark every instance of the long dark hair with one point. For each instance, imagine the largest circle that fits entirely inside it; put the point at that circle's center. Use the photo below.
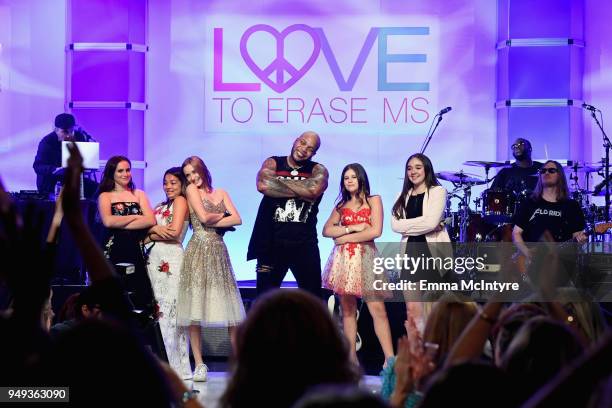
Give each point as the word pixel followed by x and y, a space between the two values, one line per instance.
pixel 108 177
pixel 399 208
pixel 363 187
pixel 178 173
pixel 286 323
pixel 562 189
pixel 200 167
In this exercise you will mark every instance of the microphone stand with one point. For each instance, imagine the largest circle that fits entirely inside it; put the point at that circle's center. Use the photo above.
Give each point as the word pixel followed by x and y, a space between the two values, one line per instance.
pixel 430 135
pixel 606 144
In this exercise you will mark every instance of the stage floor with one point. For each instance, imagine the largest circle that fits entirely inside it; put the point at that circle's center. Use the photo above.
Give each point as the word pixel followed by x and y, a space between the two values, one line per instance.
pixel 211 390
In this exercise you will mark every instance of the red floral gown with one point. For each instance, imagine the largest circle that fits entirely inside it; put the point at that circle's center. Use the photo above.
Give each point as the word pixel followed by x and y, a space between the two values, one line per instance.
pixel 349 268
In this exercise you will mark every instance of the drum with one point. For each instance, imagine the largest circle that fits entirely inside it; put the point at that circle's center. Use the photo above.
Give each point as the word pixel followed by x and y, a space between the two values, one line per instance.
pixel 497 206
pixel 580 196
pixel 479 230
pixel 598 213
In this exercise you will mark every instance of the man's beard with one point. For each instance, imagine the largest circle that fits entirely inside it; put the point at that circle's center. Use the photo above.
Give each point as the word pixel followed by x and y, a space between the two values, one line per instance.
pixel 521 156
pixel 300 162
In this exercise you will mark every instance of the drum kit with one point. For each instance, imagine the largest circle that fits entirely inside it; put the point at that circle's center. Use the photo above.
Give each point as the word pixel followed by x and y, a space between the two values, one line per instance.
pixel 487 218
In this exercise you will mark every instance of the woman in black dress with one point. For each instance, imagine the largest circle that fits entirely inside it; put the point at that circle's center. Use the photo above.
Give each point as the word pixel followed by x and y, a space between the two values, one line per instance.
pixel 126 213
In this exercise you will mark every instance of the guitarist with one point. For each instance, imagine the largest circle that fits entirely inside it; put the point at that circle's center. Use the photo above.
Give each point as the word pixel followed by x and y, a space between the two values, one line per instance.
pixel 550 209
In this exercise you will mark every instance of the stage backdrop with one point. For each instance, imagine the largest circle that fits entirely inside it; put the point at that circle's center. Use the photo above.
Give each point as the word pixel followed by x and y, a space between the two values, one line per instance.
pixel 5 40
pixel 237 82
pixel 32 43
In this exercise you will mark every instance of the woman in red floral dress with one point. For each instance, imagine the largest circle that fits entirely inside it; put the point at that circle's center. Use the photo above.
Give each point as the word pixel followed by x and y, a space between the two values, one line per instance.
pixel 354 223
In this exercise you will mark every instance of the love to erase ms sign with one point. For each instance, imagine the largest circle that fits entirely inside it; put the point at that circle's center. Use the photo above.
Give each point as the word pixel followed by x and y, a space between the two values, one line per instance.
pixel 324 72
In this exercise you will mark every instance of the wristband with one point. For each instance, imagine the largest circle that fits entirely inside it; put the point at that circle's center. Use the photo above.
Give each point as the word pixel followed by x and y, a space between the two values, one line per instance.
pixel 347 230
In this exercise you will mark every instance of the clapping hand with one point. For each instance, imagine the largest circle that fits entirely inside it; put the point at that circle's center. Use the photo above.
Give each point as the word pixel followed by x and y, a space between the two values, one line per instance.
pixel 411 364
pixel 404 370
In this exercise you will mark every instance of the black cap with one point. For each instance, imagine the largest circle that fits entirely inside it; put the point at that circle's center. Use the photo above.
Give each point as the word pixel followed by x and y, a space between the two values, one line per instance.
pixel 64 121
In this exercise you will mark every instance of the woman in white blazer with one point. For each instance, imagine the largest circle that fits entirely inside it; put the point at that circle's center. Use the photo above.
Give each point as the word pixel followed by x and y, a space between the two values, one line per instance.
pixel 417 215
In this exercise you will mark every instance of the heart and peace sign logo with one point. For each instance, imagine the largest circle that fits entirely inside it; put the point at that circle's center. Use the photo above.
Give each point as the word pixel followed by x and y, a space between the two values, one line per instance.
pixel 280 74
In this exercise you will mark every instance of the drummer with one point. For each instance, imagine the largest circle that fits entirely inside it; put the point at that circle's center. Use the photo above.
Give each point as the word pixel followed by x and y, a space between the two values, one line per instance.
pixel 521 177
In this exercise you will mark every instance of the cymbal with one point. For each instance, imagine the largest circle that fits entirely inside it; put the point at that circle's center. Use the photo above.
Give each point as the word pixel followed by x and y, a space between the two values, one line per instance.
pixel 460 177
pixel 491 165
pixel 600 162
pixel 598 193
pixel 584 167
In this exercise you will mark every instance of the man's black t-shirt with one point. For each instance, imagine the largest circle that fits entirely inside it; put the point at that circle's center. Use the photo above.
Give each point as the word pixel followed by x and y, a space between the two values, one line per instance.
pixel 561 219
pixel 517 178
pixel 284 220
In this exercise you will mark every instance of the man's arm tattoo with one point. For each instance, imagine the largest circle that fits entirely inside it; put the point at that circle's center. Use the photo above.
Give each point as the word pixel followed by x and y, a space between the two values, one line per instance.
pixel 273 187
pixel 310 188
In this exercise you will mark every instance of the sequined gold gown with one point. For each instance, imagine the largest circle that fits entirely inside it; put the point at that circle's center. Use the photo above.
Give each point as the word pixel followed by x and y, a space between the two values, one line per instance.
pixel 208 293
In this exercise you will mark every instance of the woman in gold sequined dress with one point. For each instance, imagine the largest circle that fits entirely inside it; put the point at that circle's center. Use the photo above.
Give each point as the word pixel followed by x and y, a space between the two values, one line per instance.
pixel 208 293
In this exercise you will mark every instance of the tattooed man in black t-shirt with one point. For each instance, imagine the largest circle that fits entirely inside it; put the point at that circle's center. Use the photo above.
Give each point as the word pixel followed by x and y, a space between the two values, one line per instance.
pixel 285 233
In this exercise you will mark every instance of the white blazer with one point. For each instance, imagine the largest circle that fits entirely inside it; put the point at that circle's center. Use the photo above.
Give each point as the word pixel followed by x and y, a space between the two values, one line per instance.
pixel 434 204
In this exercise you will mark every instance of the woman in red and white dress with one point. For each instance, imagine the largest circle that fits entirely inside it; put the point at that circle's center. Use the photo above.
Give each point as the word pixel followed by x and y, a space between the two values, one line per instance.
pixel 165 246
pixel 354 223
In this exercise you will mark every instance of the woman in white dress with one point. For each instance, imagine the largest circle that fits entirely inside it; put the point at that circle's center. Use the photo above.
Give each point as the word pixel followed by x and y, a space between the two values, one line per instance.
pixel 164 243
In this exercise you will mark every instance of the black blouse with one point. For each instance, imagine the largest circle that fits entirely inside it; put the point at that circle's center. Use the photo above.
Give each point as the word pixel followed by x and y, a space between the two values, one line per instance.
pixel 414 208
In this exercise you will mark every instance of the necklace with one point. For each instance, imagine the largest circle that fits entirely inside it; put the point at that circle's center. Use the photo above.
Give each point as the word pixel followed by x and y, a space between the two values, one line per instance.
pixel 294 170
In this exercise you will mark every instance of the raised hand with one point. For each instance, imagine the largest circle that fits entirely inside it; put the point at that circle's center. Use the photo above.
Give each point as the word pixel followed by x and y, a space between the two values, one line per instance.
pixel 72 182
pixel 404 370
pixel 11 221
pixel 412 364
